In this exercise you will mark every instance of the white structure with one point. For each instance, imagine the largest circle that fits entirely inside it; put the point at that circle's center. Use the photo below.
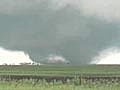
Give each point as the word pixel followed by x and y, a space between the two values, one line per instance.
pixel 8 57
pixel 108 56
pixel 56 59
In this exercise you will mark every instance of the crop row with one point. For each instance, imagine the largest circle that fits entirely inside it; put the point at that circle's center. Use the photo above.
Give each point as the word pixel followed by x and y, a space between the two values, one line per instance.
pixel 77 79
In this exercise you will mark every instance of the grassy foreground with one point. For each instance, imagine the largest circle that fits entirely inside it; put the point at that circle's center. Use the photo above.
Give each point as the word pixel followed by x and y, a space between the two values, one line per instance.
pixel 10 77
pixel 59 70
pixel 45 86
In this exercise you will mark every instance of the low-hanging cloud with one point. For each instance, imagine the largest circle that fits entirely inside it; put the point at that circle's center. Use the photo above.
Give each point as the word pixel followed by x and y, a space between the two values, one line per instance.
pixel 9 57
pixel 102 9
pixel 72 28
pixel 108 56
pixel 56 59
pixel 18 7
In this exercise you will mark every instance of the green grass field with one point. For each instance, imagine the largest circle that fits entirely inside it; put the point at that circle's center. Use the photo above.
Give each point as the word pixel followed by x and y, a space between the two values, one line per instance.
pixel 27 85
pixel 59 70
pixel 104 77
pixel 59 87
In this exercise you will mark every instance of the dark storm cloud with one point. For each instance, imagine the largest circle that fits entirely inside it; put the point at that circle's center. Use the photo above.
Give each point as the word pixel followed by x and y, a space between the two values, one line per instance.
pixel 64 32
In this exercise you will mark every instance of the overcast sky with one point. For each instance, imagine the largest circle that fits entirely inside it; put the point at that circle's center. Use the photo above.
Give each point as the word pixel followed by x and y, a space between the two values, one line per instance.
pixel 75 29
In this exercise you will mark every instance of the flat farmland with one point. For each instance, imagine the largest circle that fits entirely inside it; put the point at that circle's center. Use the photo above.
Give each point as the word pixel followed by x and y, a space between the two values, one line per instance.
pixel 59 70
pixel 90 77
